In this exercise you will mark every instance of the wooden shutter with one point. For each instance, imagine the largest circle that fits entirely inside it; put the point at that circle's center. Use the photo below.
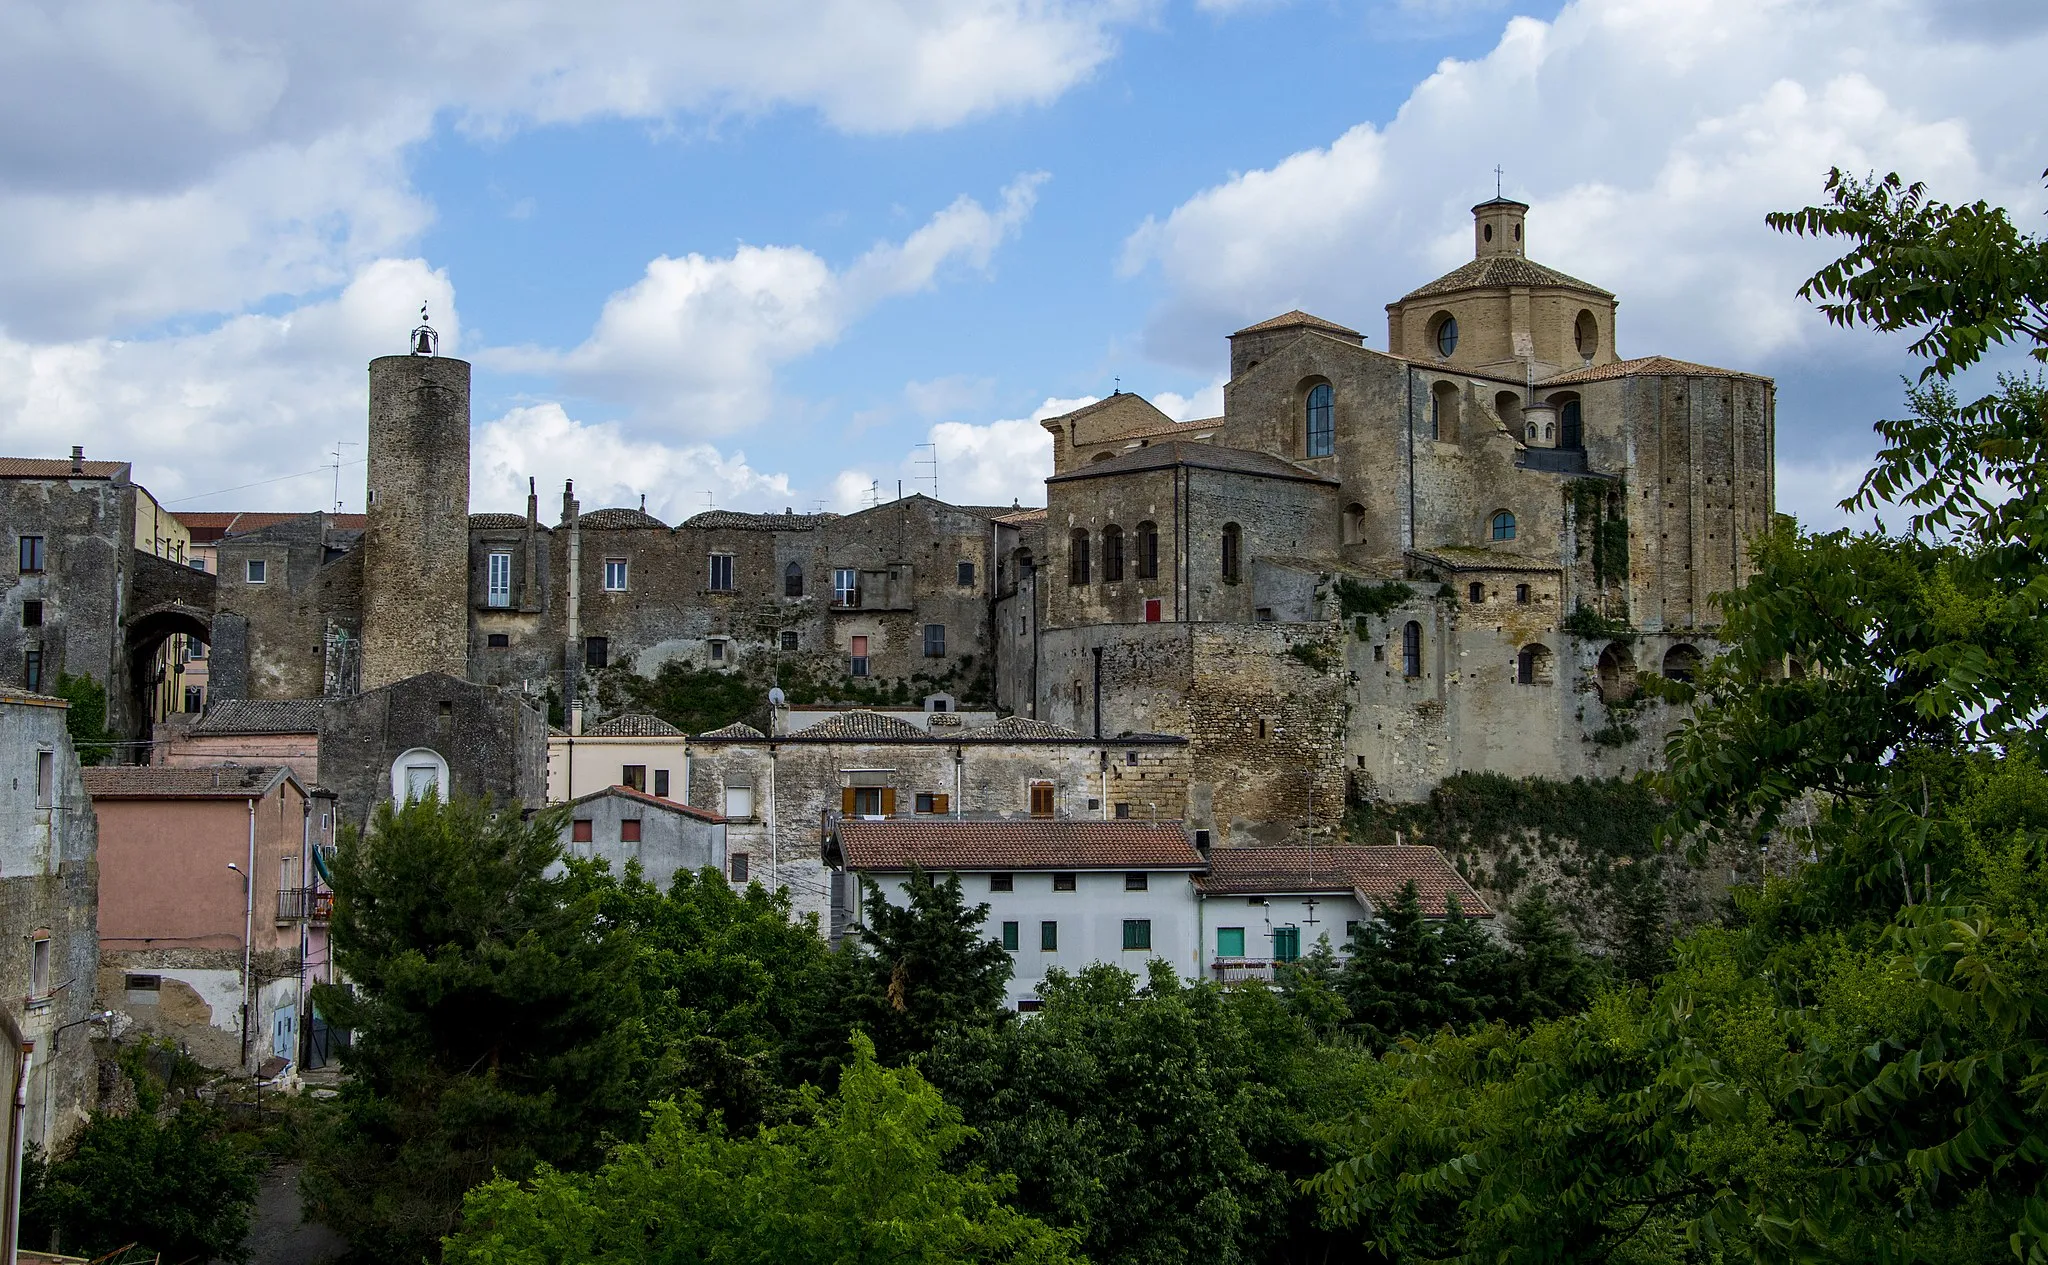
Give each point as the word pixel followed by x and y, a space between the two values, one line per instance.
pixel 846 801
pixel 888 801
pixel 940 803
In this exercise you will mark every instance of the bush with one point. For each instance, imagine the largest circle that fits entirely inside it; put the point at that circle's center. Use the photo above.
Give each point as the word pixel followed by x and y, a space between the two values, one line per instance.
pixel 174 1186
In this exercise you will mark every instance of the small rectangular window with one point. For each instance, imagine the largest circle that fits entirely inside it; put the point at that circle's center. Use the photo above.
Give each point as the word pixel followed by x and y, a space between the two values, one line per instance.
pixel 31 614
pixel 737 866
pixel 934 641
pixel 32 668
pixel 1029 1005
pixel 197 564
pixel 845 587
pixel 1137 881
pixel 498 641
pixel 1138 933
pixel 498 579
pixel 31 554
pixel 789 639
pixel 1201 838
pixel 1041 799
pixel 195 697
pixel 629 830
pixel 721 573
pixel 739 802
pixel 1001 883
pixel 1351 926
pixel 1048 936
pixel 718 652
pixel 634 776
pixel 966 580
pixel 1010 936
pixel 143 983
pixel 39 967
pixel 195 649
pixel 1063 882
pixel 615 572
pixel 596 652
pixel 1123 811
pixel 256 571
pixel 1522 594
pixel 859 666
pixel 925 800
pixel 661 783
pixel 1230 942
pixel 46 779
pixel 579 830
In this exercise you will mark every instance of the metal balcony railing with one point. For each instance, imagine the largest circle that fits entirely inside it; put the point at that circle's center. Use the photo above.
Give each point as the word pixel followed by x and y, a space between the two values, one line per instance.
pixel 302 904
pixel 1228 970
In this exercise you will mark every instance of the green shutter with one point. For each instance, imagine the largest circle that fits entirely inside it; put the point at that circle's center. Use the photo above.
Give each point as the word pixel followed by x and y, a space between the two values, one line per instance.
pixel 1286 944
pixel 1010 936
pixel 1138 933
pixel 1048 935
pixel 1230 942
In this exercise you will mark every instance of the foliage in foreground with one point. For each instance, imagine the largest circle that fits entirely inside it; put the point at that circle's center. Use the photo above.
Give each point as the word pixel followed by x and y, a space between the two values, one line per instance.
pixel 867 1175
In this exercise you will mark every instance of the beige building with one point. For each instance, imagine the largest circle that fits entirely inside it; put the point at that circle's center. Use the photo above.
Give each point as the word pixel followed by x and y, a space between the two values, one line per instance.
pixel 643 753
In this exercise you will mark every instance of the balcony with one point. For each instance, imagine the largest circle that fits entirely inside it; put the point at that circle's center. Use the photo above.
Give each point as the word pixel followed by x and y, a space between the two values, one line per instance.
pixel 304 904
pixel 1230 970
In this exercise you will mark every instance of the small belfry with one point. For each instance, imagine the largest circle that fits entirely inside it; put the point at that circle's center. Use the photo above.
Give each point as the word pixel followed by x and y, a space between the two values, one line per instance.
pixel 426 341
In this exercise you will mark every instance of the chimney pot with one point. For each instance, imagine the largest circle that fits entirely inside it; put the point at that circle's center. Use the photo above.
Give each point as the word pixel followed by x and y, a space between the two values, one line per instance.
pixel 78 459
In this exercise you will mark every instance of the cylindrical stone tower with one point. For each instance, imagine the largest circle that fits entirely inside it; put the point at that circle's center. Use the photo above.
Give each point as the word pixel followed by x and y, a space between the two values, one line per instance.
pixel 416 551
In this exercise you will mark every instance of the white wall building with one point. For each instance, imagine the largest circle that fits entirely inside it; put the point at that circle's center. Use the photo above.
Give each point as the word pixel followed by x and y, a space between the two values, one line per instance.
pixel 643 752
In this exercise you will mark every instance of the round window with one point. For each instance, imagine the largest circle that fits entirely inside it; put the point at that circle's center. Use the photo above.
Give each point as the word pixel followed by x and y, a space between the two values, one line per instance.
pixel 1486 231
pixel 1447 336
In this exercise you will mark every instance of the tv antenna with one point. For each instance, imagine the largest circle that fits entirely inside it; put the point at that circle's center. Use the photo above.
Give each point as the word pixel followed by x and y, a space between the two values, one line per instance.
pixel 874 493
pixel 933 462
pixel 339 444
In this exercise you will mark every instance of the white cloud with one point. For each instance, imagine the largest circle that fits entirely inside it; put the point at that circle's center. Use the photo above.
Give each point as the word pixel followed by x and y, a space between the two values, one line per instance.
pixel 1207 402
pixel 696 340
pixel 610 467
pixel 985 463
pixel 167 157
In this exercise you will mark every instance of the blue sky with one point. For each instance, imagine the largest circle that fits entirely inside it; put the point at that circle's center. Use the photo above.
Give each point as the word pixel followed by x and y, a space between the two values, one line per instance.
pixel 757 256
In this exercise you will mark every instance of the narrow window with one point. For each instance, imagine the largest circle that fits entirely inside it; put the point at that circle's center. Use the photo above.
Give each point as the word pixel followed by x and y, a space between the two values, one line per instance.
pixel 1077 557
pixel 965 575
pixel 498 580
pixel 195 698
pixel 31 554
pixel 1571 426
pixel 1148 551
pixel 634 776
pixel 615 575
pixel 1230 942
pixel 845 587
pixel 629 830
pixel 46 779
pixel 195 649
pixel 1041 799
pixel 1503 525
pixel 31 614
pixel 1049 936
pixel 32 668
pixel 1202 840
pixel 1138 933
pixel 596 652
pixel 1112 553
pixel 39 966
pixel 1351 926
pixel 1411 649
pixel 789 639
pixel 661 783
pixel 257 570
pixel 1137 881
pixel 717 651
pixel 1354 524
pixel 1010 936
pixel 1322 429
pixel 739 802
pixel 1063 882
pixel 1233 538
pixel 1522 594
pixel 1001 883
pixel 1286 944
pixel 1525 666
pixel 934 641
pixel 1475 592
pixel 721 572
pixel 859 666
pixel 738 867
pixel 580 830
pixel 793 580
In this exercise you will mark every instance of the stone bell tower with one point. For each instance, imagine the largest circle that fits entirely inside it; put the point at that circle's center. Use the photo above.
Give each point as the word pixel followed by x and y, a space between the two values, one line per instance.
pixel 416 551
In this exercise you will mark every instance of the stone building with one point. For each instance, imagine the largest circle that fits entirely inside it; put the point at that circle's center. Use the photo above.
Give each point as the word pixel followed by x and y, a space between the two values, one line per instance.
pixel 664 837
pixel 49 928
pixel 1377 569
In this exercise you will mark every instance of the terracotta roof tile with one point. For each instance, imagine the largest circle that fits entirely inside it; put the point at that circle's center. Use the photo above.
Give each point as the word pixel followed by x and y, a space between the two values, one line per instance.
pixel 1018 518
pixel 57 468
pixel 634 725
pixel 156 781
pixel 1502 270
pixel 735 520
pixel 1298 319
pixel 208 526
pixel 620 520
pixel 1646 366
pixel 1011 728
pixel 1377 873
pixel 652 801
pixel 1017 845
pixel 497 522
pixel 262 716
pixel 1200 456
pixel 861 724
pixel 737 729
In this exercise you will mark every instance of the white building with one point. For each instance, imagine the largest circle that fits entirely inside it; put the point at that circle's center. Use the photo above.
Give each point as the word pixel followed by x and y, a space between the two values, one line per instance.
pixel 1069 894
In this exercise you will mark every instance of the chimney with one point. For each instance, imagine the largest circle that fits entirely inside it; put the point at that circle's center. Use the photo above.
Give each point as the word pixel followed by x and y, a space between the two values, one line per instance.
pixel 77 459
pixel 532 501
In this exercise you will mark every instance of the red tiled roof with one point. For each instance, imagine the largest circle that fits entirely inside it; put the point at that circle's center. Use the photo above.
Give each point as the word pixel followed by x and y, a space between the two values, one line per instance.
pixel 633 725
pixel 858 724
pixel 1298 319
pixel 1497 271
pixel 155 781
pixel 653 801
pixel 1376 873
pixel 208 526
pixel 1032 844
pixel 57 468
pixel 1643 366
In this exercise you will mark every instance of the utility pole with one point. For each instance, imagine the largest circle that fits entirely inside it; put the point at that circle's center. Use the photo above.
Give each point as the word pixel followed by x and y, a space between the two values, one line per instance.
pixel 339 444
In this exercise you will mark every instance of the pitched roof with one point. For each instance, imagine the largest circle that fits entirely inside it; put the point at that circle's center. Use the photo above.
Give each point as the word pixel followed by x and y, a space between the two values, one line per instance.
pixel 1646 366
pixel 1200 457
pixel 207 526
pixel 1472 558
pixel 1011 728
pixel 634 725
pixel 619 520
pixel 155 781
pixel 858 724
pixel 1376 873
pixel 1017 518
pixel 1491 271
pixel 497 522
pixel 652 801
pixel 737 729
pixel 1031 844
pixel 57 468
pixel 1298 319
pixel 735 520
pixel 262 716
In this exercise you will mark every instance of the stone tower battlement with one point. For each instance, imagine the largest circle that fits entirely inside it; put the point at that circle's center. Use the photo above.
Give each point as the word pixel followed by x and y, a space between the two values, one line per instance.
pixel 416 548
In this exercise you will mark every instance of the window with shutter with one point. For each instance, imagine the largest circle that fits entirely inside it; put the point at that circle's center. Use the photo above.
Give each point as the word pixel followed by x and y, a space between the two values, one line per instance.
pixel 846 801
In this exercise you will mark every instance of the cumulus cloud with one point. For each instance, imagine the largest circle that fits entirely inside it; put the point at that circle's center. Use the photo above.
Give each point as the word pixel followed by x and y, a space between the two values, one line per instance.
pixel 980 463
pixel 610 466
pixel 696 340
pixel 166 157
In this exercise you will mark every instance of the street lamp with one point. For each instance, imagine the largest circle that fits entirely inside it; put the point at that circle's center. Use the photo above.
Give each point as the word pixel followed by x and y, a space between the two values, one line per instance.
pixel 57 1037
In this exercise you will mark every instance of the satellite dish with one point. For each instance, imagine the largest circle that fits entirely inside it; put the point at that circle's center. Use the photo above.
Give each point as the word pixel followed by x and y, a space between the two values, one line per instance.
pixel 775 697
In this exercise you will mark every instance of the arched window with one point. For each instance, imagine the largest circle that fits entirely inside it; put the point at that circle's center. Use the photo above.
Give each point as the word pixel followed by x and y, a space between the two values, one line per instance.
pixel 420 774
pixel 1508 406
pixel 1411 650
pixel 1503 525
pixel 1112 553
pixel 1026 568
pixel 1233 542
pixel 1571 428
pixel 1354 524
pixel 1077 557
pixel 1681 662
pixel 1586 334
pixel 1443 411
pixel 1148 551
pixel 1532 665
pixel 1445 334
pixel 1322 425
pixel 1475 592
pixel 1617 673
pixel 793 580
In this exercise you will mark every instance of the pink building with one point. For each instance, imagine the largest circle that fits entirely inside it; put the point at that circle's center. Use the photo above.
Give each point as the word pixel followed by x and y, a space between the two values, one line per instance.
pixel 213 922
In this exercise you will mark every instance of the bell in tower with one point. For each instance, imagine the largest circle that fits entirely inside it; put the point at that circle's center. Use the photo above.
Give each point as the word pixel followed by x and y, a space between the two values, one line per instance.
pixel 425 341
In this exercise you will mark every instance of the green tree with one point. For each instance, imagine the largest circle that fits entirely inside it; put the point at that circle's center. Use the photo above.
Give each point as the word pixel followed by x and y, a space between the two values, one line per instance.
pixel 173 1184
pixel 1406 975
pixel 871 1175
pixel 694 700
pixel 925 965
pixel 87 718
pixel 1548 974
pixel 496 1020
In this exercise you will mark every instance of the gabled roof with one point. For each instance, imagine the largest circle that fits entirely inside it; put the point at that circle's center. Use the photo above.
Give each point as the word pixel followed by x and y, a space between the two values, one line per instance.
pixel 1196 456
pixel 1645 366
pixel 860 724
pixel 1376 873
pixel 1031 844
pixel 262 716
pixel 1298 319
pixel 1012 728
pixel 1491 271
pixel 737 729
pixel 619 520
pixel 498 522
pixel 1468 558
pixel 736 520
pixel 634 725
pixel 651 801
pixel 156 781
pixel 58 468
pixel 208 526
pixel 1019 518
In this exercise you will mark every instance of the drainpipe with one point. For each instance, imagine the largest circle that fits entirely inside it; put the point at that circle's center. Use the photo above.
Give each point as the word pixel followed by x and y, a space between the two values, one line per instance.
pixel 1098 693
pixel 1411 458
pixel 306 923
pixel 573 696
pixel 774 852
pixel 248 934
pixel 959 776
pixel 10 1198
